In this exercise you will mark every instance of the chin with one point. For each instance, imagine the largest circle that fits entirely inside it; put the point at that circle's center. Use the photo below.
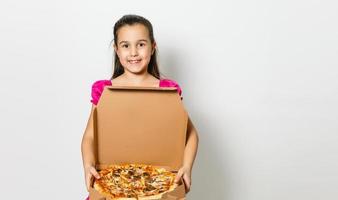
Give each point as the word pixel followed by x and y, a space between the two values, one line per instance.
pixel 137 71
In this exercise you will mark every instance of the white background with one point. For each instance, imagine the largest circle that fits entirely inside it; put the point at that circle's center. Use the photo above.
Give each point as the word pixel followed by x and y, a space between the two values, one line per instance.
pixel 259 80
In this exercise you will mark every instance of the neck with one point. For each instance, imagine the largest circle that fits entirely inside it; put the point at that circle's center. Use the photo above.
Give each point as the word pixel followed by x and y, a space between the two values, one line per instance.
pixel 136 78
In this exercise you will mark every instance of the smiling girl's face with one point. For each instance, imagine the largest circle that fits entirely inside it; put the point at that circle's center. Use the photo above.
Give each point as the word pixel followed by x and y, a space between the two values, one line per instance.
pixel 134 48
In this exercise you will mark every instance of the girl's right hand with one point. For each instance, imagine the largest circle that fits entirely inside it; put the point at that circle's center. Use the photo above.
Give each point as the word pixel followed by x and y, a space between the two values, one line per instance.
pixel 90 171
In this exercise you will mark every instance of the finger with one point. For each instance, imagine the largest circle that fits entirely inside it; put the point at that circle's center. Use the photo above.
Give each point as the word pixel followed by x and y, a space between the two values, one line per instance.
pixel 187 190
pixel 178 176
pixel 88 181
pixel 187 182
pixel 94 172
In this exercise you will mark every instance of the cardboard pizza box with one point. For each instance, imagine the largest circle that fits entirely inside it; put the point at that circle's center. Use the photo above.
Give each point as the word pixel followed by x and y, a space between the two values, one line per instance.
pixel 140 125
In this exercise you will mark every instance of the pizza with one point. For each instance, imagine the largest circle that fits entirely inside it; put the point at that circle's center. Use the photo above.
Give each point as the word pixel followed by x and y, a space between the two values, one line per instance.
pixel 134 181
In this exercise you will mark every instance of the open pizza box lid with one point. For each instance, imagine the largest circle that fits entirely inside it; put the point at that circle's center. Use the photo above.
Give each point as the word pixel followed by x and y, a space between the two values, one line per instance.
pixel 140 125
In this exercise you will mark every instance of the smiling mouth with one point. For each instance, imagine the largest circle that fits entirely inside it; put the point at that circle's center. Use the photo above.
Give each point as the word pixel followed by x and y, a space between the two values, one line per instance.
pixel 134 61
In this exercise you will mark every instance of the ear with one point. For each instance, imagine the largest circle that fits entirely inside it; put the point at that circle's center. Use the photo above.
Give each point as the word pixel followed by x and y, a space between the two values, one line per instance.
pixel 115 47
pixel 153 49
pixel 116 50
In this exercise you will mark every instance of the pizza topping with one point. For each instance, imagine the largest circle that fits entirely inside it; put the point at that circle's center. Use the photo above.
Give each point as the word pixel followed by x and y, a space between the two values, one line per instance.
pixel 134 180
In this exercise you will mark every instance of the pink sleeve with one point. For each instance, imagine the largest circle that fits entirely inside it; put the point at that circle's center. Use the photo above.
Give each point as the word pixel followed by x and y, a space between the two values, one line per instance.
pixel 171 83
pixel 97 89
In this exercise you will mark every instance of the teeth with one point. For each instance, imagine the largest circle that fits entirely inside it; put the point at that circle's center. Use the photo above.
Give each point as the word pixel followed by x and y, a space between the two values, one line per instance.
pixel 134 61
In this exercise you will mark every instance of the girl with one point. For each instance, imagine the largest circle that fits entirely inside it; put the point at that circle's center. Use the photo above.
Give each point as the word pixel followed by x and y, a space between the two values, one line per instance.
pixel 135 65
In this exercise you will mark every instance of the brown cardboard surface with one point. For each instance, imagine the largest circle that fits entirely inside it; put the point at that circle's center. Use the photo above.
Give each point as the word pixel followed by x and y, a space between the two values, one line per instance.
pixel 140 125
pixel 177 194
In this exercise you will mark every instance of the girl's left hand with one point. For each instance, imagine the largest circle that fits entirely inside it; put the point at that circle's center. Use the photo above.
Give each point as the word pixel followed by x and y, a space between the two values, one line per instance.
pixel 184 172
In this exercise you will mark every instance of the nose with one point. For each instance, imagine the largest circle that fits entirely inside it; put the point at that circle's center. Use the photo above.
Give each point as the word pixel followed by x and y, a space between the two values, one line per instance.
pixel 133 51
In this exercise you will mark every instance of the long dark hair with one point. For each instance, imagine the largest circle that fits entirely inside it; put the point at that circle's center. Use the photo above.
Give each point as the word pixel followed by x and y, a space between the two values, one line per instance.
pixel 131 20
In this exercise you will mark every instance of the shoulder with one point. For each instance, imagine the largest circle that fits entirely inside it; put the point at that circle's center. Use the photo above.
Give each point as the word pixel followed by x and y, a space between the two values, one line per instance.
pixel 171 83
pixel 101 83
pixel 97 88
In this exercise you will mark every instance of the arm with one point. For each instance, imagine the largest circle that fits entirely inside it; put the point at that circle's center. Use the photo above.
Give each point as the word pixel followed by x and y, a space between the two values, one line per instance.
pixel 87 145
pixel 190 152
pixel 87 149
pixel 191 146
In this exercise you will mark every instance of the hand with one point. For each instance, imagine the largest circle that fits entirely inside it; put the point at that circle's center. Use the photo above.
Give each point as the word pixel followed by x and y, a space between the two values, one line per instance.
pixel 90 171
pixel 184 172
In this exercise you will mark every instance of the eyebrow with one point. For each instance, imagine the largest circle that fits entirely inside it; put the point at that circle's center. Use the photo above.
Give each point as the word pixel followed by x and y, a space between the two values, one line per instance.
pixel 142 40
